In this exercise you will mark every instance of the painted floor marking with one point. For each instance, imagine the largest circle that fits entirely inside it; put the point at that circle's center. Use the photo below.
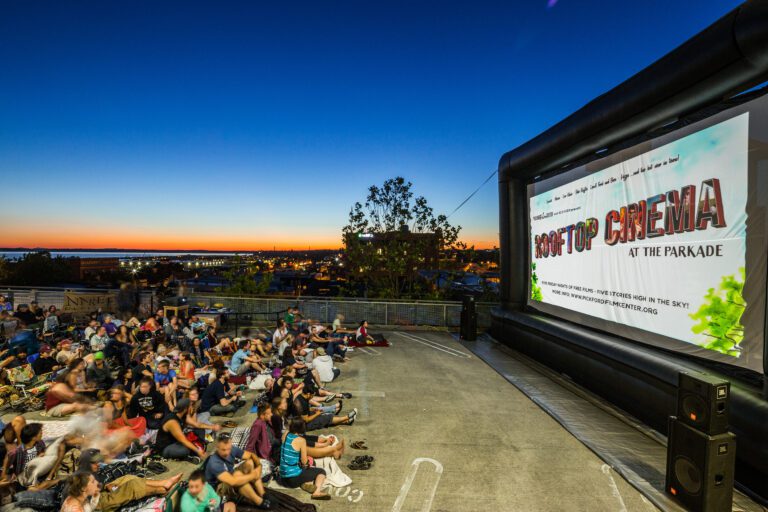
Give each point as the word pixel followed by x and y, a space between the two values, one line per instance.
pixel 405 489
pixel 606 469
pixel 436 346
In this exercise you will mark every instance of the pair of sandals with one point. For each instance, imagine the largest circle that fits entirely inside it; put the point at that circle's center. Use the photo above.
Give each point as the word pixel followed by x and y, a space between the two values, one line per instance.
pixel 229 424
pixel 361 463
pixel 311 488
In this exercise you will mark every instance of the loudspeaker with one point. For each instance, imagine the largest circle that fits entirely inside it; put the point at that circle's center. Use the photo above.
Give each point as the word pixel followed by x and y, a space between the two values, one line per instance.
pixel 703 402
pixel 700 468
pixel 468 328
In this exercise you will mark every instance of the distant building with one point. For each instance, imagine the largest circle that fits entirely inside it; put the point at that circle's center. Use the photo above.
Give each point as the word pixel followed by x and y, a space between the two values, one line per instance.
pixel 92 267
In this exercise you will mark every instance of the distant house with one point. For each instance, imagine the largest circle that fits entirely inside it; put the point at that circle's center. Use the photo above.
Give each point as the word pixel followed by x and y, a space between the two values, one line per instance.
pixel 93 267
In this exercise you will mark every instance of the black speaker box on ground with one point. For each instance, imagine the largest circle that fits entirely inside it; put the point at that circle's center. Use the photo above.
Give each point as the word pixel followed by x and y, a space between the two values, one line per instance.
pixel 700 468
pixel 703 402
pixel 468 328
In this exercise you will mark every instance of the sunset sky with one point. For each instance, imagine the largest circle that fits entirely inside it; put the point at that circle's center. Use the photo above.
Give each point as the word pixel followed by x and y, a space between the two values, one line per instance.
pixel 253 125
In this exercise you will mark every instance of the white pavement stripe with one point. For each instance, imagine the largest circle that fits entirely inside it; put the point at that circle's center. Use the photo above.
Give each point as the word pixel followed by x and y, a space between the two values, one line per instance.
pixel 436 346
pixel 606 469
pixel 405 489
pixel 368 394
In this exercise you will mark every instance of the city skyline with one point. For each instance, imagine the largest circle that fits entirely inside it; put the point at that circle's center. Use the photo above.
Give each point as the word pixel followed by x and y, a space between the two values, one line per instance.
pixel 248 127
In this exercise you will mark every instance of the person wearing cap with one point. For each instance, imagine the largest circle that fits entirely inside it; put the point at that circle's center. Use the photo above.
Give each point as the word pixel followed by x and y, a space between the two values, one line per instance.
pixel 322 365
pixel 99 374
pixel 123 490
pixel 64 352
pixel 45 363
pixel 171 439
pixel 17 358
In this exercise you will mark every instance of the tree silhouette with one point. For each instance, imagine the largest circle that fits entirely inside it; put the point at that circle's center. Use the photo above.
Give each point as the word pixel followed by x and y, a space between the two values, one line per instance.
pixel 720 316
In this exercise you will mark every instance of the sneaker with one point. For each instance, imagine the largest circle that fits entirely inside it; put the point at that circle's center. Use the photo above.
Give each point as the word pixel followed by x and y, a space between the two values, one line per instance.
pixel 194 459
pixel 350 349
pixel 329 397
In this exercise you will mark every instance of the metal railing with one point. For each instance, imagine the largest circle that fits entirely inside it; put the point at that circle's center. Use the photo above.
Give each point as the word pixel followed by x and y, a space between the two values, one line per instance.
pixel 263 310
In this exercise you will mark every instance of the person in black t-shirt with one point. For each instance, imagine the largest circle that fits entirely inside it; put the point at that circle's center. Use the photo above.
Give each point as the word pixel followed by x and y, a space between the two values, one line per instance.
pixel 143 368
pixel 148 403
pixel 45 363
pixel 171 439
pixel 218 399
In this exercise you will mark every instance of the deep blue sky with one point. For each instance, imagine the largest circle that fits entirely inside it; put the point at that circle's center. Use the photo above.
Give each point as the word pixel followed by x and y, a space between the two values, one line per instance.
pixel 258 123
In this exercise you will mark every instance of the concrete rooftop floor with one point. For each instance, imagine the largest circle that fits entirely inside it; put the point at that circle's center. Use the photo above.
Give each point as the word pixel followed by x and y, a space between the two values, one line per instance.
pixel 449 434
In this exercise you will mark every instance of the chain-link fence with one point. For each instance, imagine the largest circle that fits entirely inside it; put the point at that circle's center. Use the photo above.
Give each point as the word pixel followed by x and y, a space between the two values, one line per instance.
pixel 265 310
pixel 324 310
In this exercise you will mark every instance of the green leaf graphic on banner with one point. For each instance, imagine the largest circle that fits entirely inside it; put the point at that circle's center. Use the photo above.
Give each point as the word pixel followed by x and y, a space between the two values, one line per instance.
pixel 535 289
pixel 720 316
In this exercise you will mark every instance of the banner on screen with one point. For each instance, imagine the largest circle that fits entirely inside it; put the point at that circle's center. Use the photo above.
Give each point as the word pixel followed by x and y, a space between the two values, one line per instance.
pixel 656 242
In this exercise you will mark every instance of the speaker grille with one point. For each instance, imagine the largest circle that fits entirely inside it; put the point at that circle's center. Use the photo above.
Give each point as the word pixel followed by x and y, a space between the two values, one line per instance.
pixel 688 475
pixel 695 409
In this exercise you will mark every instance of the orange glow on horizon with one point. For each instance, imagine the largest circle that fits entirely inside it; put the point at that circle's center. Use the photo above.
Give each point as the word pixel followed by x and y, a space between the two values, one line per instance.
pixel 158 239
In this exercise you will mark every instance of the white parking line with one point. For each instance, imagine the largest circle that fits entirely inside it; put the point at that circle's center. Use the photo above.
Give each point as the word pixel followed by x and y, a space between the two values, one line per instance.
pixel 606 469
pixel 405 489
pixel 368 394
pixel 435 345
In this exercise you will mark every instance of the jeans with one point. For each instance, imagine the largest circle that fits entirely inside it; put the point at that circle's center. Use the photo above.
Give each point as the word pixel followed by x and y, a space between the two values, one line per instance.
pixel 221 410
pixel 333 347
pixel 327 408
pixel 176 451
pixel 205 417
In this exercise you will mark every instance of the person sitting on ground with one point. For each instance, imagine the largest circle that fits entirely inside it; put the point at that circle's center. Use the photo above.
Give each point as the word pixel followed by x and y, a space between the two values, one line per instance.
pixel 317 419
pixel 323 365
pixel 186 375
pixel 125 379
pixel 77 379
pixel 196 419
pixel 115 412
pixel 200 356
pixel 218 397
pixel 99 374
pixel 236 474
pixel 82 495
pixel 17 359
pixel 99 340
pixel 148 403
pixel 361 335
pixel 123 490
pixel 90 331
pixel 291 357
pixel 294 462
pixel 279 337
pixel 51 321
pixel 338 327
pixel 45 363
pixel 5 305
pixel 62 400
pixel 171 441
pixel 34 464
pixel 65 355
pixel 144 367
pixel 166 382
pixel 109 325
pixel 120 345
pixel 201 497
pixel 243 362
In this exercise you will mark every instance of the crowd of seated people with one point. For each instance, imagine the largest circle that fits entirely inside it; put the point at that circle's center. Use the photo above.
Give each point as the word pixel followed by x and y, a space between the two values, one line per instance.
pixel 152 387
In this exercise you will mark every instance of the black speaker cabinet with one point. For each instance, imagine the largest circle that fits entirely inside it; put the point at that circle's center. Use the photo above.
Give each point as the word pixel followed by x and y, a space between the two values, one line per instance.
pixel 700 468
pixel 703 402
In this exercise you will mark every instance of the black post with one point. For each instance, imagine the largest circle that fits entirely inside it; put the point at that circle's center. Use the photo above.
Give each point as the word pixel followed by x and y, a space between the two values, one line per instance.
pixel 237 324
pixel 468 330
